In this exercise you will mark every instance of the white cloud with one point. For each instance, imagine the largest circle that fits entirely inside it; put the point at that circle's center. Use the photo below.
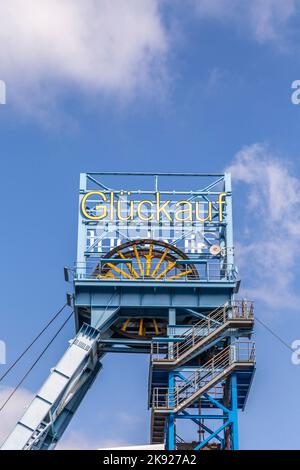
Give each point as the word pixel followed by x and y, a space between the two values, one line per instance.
pixel 112 47
pixel 129 420
pixel 269 255
pixel 75 440
pixel 108 437
pixel 13 410
pixel 108 46
pixel 266 19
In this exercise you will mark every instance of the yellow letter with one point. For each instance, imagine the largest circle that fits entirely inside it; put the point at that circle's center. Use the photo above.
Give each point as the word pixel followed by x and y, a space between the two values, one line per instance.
pixel 189 210
pixel 220 204
pixel 112 202
pixel 209 216
pixel 162 208
pixel 97 207
pixel 139 207
pixel 119 216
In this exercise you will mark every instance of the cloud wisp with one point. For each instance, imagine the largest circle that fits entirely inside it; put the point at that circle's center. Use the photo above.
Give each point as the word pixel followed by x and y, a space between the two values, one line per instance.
pixel 266 20
pixel 76 440
pixel 13 410
pixel 109 47
pixel 269 253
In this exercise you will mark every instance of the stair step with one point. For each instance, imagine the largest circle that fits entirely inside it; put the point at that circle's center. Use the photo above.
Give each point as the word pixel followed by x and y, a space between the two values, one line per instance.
pixel 158 429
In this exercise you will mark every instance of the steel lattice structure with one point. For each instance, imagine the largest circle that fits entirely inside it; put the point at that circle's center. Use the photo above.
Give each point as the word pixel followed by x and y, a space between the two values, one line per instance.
pixel 155 274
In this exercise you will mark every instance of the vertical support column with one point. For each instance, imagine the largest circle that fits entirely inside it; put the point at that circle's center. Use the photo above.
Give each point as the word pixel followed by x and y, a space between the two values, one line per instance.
pixel 171 385
pixel 172 321
pixel 229 224
pixel 171 417
pixel 171 433
pixel 81 241
pixel 234 413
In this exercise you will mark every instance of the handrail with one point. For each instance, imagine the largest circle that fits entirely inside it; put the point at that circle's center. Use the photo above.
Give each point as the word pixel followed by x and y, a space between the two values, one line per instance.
pixel 209 271
pixel 237 310
pixel 168 398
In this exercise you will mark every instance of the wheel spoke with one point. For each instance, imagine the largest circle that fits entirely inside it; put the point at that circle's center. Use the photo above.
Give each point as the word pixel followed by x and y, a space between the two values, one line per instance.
pixel 138 260
pixel 148 260
pixel 155 326
pixel 141 327
pixel 182 273
pixel 120 271
pixel 170 266
pixel 124 327
pixel 159 262
pixel 129 267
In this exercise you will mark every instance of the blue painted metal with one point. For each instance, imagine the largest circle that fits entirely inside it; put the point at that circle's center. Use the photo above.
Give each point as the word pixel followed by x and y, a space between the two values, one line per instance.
pixel 105 304
pixel 171 418
pixel 214 434
pixel 233 413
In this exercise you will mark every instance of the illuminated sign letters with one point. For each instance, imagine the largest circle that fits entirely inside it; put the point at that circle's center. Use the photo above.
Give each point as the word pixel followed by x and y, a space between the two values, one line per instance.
pixel 111 206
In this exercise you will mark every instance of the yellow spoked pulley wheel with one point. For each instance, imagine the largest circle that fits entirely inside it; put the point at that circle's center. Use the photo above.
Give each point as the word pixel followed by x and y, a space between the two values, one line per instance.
pixel 145 259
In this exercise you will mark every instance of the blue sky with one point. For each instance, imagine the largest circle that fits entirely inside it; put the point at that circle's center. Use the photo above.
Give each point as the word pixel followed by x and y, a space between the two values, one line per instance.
pixel 200 85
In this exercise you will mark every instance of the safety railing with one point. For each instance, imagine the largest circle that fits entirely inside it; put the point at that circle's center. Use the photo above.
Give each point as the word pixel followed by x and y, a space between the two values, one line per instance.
pixel 131 270
pixel 171 398
pixel 241 310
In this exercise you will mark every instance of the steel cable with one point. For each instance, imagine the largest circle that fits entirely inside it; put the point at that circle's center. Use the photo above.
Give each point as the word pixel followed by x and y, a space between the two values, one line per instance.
pixel 35 362
pixel 33 341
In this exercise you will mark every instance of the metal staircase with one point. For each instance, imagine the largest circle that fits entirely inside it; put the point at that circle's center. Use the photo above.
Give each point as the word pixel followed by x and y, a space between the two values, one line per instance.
pixel 158 426
pixel 210 364
pixel 239 314
pixel 236 356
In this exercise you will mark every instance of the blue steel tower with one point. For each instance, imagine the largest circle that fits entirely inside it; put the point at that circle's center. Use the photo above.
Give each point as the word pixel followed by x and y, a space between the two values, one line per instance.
pixel 155 274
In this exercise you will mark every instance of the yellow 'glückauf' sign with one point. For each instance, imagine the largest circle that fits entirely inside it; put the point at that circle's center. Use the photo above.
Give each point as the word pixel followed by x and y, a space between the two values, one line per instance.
pixel 110 207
